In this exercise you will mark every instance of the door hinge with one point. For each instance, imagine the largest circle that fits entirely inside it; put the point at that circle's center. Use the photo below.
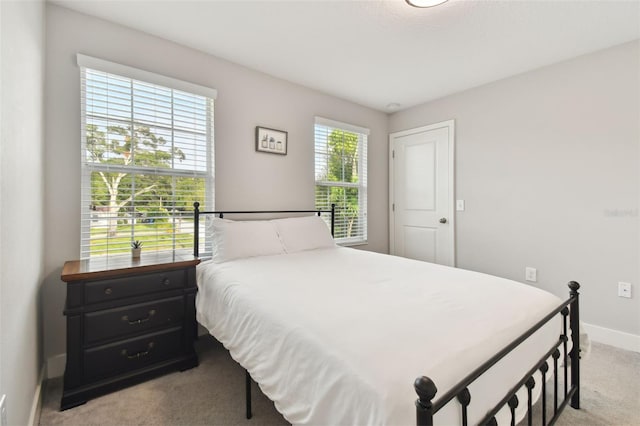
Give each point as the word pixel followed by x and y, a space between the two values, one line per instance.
pixel 393 207
pixel 393 154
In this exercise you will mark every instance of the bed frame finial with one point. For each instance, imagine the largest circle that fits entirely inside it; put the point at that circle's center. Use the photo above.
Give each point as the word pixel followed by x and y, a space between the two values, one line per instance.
pixel 574 286
pixel 426 390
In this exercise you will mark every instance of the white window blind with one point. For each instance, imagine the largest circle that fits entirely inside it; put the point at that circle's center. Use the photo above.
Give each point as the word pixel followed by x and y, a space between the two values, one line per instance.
pixel 341 177
pixel 147 156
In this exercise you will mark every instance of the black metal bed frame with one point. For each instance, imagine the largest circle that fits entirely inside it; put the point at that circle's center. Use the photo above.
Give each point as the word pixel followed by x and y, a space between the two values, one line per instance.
pixel 426 389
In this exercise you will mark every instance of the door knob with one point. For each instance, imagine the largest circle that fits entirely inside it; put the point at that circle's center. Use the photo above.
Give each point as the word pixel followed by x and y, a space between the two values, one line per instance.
pixel 443 220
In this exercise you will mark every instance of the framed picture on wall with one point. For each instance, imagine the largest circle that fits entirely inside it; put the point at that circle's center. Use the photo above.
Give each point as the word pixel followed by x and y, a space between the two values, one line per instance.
pixel 271 140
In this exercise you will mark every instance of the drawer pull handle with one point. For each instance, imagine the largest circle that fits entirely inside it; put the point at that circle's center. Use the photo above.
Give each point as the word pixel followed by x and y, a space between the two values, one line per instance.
pixel 125 318
pixel 166 281
pixel 108 291
pixel 150 346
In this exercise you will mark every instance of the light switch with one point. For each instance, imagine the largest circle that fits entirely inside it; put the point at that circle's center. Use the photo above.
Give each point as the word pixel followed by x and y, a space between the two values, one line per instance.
pixel 460 205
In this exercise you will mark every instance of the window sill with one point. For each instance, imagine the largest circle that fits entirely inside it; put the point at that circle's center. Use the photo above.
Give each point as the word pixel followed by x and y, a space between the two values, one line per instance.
pixel 353 243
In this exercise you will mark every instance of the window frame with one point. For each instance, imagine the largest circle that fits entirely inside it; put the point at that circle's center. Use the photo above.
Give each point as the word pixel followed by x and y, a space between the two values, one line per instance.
pixel 361 185
pixel 87 63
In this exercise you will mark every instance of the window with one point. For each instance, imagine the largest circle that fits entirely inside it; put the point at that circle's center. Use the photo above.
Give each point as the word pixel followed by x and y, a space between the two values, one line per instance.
pixel 147 156
pixel 341 177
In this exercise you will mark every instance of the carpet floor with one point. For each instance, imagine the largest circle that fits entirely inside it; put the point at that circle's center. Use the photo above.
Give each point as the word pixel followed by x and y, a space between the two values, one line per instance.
pixel 213 394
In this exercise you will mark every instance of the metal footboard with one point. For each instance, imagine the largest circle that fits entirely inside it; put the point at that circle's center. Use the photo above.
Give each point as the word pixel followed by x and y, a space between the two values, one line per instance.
pixel 426 389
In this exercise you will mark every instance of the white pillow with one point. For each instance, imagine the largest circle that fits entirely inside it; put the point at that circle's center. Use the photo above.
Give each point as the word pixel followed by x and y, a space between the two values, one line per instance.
pixel 240 239
pixel 304 233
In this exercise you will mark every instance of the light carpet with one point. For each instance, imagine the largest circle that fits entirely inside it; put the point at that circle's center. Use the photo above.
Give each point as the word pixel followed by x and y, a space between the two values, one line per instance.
pixel 213 394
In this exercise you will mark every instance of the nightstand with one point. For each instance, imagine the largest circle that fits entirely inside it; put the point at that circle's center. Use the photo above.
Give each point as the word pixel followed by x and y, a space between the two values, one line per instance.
pixel 127 321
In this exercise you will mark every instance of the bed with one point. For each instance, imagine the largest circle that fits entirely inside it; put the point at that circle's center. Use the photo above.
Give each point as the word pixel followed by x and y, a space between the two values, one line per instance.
pixel 335 335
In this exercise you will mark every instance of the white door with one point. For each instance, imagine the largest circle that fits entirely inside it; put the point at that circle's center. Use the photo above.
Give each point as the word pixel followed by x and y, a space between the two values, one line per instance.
pixel 421 193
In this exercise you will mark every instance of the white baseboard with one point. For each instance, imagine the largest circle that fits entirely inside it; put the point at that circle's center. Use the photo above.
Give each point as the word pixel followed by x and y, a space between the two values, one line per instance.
pixel 36 405
pixel 608 336
pixel 55 365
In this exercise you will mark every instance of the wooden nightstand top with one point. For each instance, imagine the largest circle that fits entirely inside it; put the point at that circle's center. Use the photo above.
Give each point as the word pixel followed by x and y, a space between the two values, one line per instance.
pixel 103 267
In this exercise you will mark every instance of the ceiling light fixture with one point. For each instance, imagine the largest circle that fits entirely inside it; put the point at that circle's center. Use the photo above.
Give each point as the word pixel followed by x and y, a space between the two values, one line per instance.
pixel 425 3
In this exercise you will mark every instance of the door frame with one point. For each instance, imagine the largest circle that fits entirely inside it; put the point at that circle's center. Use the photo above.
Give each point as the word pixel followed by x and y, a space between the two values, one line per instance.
pixel 450 124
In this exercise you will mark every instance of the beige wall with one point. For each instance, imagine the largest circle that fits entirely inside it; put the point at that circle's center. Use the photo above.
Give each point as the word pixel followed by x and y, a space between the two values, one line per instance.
pixel 548 164
pixel 21 197
pixel 547 161
pixel 246 99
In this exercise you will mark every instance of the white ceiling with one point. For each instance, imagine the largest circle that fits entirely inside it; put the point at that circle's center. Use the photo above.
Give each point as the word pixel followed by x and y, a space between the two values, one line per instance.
pixel 378 52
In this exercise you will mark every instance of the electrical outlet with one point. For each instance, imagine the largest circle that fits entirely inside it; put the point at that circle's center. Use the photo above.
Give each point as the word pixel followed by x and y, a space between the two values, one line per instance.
pixel 3 411
pixel 531 274
pixel 624 290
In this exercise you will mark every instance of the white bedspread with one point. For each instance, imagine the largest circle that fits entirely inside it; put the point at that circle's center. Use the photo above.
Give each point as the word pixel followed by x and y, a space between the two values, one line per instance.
pixel 337 336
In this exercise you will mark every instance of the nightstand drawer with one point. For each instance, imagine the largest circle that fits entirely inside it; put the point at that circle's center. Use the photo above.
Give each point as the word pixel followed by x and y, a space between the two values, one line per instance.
pixel 116 288
pixel 121 322
pixel 131 354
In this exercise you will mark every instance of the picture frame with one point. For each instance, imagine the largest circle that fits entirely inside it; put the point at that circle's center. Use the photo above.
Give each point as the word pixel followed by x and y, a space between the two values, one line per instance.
pixel 272 141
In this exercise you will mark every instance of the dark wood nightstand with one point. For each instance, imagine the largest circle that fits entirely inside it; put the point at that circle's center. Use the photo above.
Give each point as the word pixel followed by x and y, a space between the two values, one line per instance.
pixel 127 321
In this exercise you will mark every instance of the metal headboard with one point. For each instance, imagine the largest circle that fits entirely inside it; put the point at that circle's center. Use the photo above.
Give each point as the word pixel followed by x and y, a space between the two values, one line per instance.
pixel 197 213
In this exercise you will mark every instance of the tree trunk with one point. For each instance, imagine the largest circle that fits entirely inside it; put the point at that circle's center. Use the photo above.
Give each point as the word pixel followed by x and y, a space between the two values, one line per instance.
pixel 114 208
pixel 350 226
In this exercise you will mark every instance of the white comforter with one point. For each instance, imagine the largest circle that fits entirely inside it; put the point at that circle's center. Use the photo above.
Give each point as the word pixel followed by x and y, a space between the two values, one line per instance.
pixel 337 336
